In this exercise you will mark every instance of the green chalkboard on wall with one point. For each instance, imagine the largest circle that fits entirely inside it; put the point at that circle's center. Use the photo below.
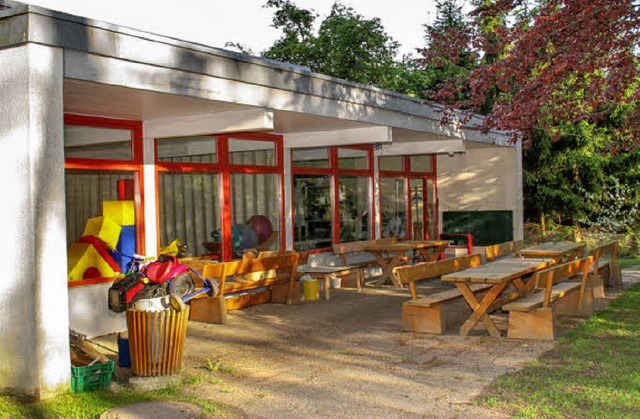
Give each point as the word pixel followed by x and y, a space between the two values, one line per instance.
pixel 487 227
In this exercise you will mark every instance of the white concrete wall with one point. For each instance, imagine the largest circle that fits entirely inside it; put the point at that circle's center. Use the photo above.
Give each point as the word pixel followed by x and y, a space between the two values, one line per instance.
pixel 481 179
pixel 34 316
pixel 89 313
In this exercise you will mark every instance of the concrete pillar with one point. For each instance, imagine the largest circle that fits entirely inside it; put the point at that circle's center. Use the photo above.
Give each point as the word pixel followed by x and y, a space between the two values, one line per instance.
pixel 288 199
pixel 149 176
pixel 34 316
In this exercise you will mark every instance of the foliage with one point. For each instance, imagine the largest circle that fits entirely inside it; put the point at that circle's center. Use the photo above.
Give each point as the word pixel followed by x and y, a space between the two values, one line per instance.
pixel 593 372
pixel 296 44
pixel 616 209
pixel 629 263
pixel 346 45
pixel 448 51
pixel 577 179
pixel 551 62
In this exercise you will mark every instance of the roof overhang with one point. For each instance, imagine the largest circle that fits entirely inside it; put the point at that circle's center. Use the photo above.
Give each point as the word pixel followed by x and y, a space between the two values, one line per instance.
pixel 105 60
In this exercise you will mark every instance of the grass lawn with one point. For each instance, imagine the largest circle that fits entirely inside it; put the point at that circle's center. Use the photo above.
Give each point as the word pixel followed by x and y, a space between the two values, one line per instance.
pixel 594 372
pixel 92 404
pixel 632 262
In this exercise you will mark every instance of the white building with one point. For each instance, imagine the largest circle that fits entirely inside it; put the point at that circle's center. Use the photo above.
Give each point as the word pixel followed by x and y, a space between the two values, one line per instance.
pixel 206 138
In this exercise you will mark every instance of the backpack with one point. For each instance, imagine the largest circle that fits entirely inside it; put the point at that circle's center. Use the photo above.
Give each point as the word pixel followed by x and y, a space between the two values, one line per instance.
pixel 123 291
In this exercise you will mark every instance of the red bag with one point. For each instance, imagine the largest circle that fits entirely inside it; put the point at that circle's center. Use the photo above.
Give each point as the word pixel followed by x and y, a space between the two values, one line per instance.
pixel 166 267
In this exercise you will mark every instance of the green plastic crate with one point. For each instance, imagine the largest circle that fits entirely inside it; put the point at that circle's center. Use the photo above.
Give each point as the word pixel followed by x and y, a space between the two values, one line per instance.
pixel 91 377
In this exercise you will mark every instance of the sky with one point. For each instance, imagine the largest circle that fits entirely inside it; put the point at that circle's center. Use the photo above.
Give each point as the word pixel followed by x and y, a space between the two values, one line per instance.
pixel 215 22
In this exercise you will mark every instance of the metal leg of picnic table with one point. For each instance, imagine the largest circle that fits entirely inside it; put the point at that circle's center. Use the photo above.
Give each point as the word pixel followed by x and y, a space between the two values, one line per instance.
pixel 480 308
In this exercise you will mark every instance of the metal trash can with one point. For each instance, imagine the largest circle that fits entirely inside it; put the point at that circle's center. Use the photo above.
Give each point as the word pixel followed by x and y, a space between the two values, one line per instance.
pixel 156 340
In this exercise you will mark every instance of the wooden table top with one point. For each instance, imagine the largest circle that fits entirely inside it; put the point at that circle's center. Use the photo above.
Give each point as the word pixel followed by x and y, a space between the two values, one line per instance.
pixel 324 269
pixel 499 271
pixel 550 249
pixel 404 246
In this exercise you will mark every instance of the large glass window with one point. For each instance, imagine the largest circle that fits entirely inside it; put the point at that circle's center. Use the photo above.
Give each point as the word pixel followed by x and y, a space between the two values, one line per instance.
pixel 310 157
pixel 189 210
pixel 86 190
pixel 312 212
pixel 197 149
pixel 251 152
pixel 103 169
pixel 354 208
pixel 331 196
pixel 353 158
pixel 417 209
pixel 220 203
pixel 90 142
pixel 392 163
pixel 415 206
pixel 394 206
pixel 421 163
pixel 255 211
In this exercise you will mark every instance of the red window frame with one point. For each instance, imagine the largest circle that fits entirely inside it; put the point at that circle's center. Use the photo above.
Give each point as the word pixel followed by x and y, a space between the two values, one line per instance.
pixel 134 165
pixel 224 169
pixel 408 174
pixel 335 172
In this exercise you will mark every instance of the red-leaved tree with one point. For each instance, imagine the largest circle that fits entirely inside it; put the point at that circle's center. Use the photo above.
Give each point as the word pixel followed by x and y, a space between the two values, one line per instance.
pixel 546 63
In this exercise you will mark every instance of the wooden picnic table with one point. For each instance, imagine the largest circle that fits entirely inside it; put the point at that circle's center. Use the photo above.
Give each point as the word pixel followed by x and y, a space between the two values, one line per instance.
pixel 499 274
pixel 429 249
pixel 326 272
pixel 558 251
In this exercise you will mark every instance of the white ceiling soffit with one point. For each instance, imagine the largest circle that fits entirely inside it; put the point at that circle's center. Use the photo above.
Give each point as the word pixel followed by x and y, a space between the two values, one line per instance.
pixel 120 102
pixel 354 136
pixel 235 121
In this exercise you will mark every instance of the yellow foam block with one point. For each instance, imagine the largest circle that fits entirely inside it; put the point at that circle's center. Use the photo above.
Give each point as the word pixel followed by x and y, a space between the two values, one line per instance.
pixel 172 248
pixel 105 229
pixel 82 256
pixel 122 212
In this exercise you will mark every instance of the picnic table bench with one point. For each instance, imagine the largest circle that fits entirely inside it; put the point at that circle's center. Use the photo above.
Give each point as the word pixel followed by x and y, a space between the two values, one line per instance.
pixel 353 253
pixel 502 250
pixel 442 311
pixel 562 289
pixel 507 280
pixel 605 270
pixel 559 251
pixel 247 282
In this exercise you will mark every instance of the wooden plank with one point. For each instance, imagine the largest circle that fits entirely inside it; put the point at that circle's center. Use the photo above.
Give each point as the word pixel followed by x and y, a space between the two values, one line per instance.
pixel 428 270
pixel 497 272
pixel 538 324
pixel 209 310
pixel 536 299
pixel 502 249
pixel 554 250
pixel 444 296
pixel 480 308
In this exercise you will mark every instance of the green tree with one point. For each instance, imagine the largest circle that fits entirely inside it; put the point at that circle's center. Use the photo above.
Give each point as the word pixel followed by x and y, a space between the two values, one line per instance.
pixel 295 46
pixel 579 178
pixel 448 55
pixel 346 45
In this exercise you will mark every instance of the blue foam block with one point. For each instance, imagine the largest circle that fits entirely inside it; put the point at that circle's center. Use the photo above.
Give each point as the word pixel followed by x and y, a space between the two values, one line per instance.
pixel 126 245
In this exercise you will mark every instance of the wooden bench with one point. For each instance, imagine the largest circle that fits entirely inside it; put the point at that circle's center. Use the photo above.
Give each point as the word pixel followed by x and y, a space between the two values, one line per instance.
pixel 443 311
pixel 247 282
pixel 563 289
pixel 501 250
pixel 605 271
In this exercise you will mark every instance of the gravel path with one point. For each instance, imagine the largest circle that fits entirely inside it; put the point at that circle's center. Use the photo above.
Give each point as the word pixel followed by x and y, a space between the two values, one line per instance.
pixel 348 358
